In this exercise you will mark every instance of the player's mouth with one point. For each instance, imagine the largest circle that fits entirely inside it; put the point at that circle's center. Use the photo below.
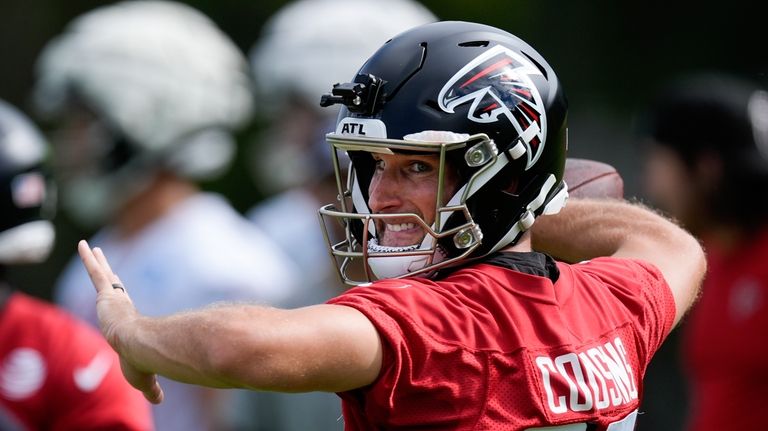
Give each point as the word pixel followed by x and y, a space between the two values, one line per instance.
pixel 400 234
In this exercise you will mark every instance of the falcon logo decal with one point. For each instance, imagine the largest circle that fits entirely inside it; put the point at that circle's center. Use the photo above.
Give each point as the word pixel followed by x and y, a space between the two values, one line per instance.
pixel 499 85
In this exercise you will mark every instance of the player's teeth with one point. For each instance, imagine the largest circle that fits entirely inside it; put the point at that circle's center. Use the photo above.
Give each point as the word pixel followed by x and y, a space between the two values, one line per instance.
pixel 401 226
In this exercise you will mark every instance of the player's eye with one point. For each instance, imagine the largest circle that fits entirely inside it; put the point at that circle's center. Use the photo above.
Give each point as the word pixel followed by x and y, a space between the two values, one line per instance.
pixel 420 167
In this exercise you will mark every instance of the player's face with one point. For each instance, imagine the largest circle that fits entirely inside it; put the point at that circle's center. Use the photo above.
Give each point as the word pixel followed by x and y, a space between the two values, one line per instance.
pixel 406 183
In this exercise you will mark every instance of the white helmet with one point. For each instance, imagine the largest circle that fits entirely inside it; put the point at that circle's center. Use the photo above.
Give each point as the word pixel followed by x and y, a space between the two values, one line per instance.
pixel 311 44
pixel 166 83
pixel 26 197
pixel 304 48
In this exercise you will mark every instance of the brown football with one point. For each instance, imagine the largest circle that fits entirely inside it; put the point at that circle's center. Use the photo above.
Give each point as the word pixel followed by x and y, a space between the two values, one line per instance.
pixel 592 179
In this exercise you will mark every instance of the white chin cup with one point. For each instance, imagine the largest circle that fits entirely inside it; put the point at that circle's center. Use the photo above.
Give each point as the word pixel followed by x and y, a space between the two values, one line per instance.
pixel 397 266
pixel 27 243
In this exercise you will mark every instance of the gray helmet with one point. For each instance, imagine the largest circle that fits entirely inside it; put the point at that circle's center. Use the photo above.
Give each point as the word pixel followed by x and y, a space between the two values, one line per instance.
pixel 310 43
pixel 166 85
pixel 305 46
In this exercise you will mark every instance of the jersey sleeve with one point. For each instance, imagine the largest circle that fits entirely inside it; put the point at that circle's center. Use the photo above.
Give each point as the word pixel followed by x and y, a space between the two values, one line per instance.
pixel 376 304
pixel 643 291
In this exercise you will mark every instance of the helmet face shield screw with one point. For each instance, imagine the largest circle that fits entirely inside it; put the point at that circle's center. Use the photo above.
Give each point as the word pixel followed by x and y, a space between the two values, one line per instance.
pixel 480 154
pixel 467 237
pixel 476 157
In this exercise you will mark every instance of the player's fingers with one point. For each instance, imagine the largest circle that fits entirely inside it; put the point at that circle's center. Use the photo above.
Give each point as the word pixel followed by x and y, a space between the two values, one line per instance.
pixel 102 259
pixel 98 275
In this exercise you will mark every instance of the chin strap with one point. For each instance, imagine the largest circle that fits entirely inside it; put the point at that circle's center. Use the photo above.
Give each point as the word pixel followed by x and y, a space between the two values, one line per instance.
pixel 398 266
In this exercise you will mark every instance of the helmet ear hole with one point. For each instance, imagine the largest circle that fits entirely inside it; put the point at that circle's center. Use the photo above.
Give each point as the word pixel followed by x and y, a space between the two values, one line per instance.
pixel 542 69
pixel 474 43
pixel 510 180
pixel 511 188
pixel 431 103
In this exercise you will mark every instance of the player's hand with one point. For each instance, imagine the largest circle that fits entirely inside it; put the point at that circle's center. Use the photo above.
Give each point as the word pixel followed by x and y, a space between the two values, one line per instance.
pixel 117 318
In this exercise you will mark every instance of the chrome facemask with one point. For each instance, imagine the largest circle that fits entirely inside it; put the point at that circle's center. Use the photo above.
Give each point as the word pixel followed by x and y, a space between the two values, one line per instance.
pixel 356 254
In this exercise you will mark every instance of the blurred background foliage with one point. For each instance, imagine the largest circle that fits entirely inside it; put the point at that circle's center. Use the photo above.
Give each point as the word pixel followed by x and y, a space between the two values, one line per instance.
pixel 611 57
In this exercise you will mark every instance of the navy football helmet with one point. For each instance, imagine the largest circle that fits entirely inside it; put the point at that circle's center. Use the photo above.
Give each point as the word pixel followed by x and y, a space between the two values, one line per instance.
pixel 484 101
pixel 26 195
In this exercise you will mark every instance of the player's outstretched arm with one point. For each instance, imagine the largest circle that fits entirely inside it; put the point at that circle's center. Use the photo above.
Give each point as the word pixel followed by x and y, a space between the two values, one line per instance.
pixel 588 228
pixel 324 347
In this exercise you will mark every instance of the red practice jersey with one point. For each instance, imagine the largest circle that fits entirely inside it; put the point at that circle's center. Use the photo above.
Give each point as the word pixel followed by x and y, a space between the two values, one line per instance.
pixel 59 374
pixel 725 344
pixel 515 343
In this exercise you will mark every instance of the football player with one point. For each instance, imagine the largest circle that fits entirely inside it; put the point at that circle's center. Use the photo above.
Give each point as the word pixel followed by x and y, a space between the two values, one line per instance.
pixel 56 372
pixel 457 136
pixel 144 97
pixel 707 161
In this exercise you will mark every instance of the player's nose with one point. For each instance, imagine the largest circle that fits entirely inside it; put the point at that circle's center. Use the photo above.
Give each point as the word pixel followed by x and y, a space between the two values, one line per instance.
pixel 384 192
